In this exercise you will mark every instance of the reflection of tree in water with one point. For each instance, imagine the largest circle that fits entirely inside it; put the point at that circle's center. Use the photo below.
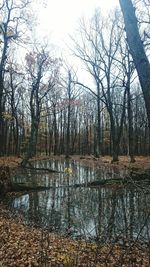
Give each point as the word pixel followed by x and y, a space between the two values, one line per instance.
pixel 114 214
pixel 106 213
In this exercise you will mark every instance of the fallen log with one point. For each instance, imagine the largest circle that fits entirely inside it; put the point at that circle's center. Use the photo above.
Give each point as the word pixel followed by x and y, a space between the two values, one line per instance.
pixel 41 169
pixel 26 164
pixel 17 187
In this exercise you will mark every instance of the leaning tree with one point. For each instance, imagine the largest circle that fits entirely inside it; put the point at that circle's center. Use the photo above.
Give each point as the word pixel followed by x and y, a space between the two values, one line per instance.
pixel 137 50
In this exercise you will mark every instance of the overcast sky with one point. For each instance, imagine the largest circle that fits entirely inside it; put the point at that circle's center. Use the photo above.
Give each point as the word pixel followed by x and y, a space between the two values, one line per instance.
pixel 60 17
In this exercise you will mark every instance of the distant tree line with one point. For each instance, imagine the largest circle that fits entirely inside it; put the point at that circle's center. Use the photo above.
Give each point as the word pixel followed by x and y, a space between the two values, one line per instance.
pixel 48 108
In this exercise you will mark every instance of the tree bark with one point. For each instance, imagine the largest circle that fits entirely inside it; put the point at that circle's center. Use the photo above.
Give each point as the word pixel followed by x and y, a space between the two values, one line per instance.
pixel 137 51
pixel 130 122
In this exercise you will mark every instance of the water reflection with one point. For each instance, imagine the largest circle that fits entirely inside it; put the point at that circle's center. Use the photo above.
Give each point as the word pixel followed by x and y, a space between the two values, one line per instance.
pixel 103 213
pixel 80 174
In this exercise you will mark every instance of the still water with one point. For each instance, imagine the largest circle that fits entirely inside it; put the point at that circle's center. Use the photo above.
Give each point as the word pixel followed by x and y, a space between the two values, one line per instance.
pixel 70 207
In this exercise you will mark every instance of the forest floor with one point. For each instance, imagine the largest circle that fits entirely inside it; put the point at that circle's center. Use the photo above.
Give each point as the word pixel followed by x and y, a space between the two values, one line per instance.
pixel 141 163
pixel 24 245
pixel 27 246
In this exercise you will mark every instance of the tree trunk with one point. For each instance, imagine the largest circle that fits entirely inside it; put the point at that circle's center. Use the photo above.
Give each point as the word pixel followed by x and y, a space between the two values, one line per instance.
pixel 2 143
pixel 137 51
pixel 115 145
pixel 33 139
pixel 98 152
pixel 55 132
pixel 31 150
pixel 68 134
pixel 130 121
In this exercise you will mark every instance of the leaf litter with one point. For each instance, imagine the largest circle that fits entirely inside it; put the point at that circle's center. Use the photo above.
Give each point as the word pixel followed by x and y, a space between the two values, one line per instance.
pixel 24 245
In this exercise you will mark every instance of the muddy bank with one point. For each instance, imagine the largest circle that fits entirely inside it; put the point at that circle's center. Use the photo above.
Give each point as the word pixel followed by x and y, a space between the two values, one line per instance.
pixel 5 180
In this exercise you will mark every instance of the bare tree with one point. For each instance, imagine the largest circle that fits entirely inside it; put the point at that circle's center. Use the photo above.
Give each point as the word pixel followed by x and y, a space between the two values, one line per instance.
pixel 71 94
pixel 137 50
pixel 42 77
pixel 15 79
pixel 11 20
pixel 86 49
pixel 98 51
